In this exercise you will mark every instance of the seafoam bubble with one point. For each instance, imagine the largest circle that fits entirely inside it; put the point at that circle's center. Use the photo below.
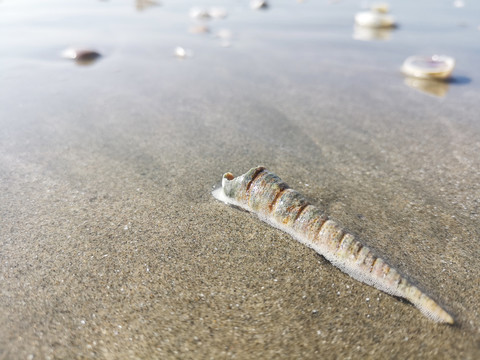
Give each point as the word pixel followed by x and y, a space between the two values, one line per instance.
pixel 429 67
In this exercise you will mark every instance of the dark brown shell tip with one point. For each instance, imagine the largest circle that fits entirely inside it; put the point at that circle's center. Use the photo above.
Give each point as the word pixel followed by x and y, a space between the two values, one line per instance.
pixel 229 176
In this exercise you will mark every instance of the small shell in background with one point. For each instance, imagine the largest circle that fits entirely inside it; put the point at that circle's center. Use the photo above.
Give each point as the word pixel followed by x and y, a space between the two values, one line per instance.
pixel 429 67
pixel 199 13
pixel 258 4
pixel 218 12
pixel 81 55
pixel 374 19
pixel 182 53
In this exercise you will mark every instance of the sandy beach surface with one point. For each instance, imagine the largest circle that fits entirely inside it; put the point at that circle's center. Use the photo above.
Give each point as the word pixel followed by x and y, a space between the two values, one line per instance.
pixel 112 246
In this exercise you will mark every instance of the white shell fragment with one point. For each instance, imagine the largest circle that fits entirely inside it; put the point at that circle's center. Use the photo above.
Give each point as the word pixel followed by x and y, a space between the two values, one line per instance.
pixel 258 4
pixel 429 67
pixel 182 53
pixel 374 19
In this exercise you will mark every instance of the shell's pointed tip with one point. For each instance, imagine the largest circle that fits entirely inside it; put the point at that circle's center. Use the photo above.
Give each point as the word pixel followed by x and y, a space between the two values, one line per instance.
pixel 450 320
pixel 442 316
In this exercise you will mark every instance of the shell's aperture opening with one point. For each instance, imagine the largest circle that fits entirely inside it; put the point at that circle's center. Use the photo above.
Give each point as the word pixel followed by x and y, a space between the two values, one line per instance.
pixel 226 182
pixel 225 193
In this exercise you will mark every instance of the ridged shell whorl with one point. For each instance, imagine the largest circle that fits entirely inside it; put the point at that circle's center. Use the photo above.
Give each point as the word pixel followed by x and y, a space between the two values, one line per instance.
pixel 237 188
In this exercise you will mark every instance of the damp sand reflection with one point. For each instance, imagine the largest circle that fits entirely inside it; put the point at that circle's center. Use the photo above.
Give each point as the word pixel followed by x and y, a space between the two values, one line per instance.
pixel 372 34
pixel 436 88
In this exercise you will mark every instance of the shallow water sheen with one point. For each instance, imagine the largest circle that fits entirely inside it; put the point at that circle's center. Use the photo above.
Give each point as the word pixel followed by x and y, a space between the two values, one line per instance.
pixel 111 245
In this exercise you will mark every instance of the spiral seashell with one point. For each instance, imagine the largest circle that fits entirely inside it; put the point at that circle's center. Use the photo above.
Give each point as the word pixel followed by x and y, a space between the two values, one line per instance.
pixel 265 194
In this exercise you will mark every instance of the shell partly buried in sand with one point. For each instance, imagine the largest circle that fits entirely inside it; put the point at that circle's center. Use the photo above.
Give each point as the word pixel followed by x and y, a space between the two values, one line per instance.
pixel 265 194
pixel 81 55
pixel 429 67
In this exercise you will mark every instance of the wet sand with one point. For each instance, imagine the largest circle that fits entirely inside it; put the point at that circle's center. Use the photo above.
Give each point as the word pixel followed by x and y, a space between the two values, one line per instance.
pixel 113 247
